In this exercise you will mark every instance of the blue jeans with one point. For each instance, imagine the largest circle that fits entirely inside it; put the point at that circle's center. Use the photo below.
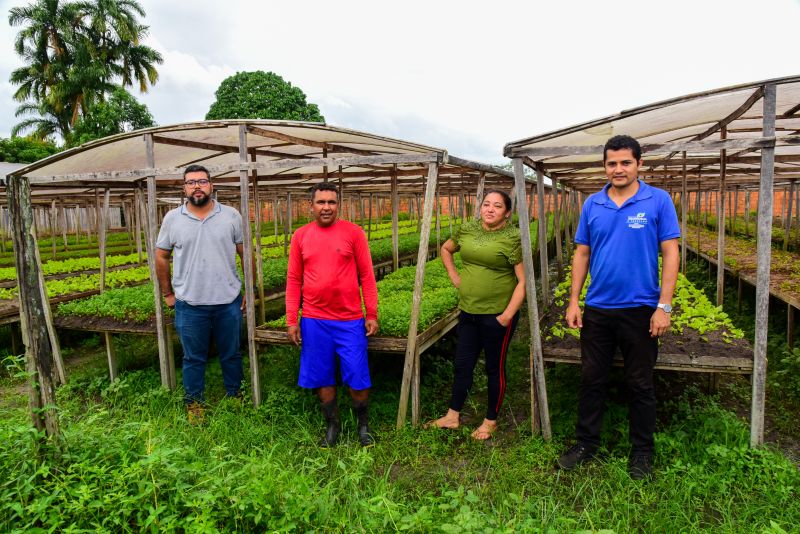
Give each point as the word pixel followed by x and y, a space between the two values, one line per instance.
pixel 195 326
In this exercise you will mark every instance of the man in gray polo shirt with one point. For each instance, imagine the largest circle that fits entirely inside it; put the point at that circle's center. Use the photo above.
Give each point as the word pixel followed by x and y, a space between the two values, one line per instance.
pixel 205 288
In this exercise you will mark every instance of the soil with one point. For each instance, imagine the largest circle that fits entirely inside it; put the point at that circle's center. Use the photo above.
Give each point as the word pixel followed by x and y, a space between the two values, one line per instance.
pixel 690 342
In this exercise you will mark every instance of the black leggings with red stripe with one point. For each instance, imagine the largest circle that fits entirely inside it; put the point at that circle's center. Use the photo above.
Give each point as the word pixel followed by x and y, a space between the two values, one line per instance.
pixel 478 332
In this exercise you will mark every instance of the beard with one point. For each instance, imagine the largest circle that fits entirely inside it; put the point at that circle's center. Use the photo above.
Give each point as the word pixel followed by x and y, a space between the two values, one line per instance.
pixel 199 201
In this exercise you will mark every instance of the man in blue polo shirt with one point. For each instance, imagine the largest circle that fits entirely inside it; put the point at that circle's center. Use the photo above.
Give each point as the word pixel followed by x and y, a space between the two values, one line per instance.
pixel 621 230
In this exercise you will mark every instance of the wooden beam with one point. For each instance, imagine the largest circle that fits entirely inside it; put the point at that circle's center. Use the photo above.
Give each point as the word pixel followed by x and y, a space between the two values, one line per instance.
pixel 540 414
pixel 39 357
pixel 150 216
pixel 721 225
pixel 126 176
pixel 542 225
pixel 764 255
pixel 330 147
pixel 678 146
pixel 411 364
pixel 247 269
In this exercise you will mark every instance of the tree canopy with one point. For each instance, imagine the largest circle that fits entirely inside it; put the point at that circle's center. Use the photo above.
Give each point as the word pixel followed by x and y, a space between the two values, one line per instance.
pixel 25 149
pixel 75 54
pixel 261 95
pixel 120 113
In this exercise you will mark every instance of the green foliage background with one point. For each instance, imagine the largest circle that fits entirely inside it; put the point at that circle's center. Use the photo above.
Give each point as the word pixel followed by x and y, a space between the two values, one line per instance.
pixel 261 95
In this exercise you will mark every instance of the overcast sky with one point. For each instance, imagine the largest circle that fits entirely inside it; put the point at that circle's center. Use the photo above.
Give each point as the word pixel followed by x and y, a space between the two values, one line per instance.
pixel 461 75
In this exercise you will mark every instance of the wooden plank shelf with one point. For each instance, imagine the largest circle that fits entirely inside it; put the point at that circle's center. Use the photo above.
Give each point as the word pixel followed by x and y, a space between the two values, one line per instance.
pixel 791 300
pixel 425 339
pixel 668 362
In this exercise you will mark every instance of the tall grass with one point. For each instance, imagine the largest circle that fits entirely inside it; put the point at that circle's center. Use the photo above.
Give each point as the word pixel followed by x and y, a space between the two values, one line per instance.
pixel 131 462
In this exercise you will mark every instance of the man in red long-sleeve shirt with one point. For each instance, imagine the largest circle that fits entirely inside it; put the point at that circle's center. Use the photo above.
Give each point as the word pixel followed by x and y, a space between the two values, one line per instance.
pixel 330 268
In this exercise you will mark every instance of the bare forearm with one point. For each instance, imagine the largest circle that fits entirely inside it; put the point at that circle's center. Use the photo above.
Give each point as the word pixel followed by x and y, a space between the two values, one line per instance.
pixel 670 260
pixel 448 261
pixel 162 273
pixel 517 298
pixel 580 268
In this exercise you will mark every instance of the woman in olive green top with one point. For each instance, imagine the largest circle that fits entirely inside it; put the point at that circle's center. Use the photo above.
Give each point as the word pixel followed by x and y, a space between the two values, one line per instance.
pixel 491 288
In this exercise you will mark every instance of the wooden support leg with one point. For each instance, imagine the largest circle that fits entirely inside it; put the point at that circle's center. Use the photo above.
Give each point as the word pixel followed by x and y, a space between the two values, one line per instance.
pixel 415 388
pixel 739 294
pixel 171 336
pixel 16 344
pixel 790 325
pixel 112 356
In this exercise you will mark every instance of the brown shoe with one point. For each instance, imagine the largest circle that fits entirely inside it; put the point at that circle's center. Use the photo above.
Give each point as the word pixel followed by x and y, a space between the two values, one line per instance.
pixel 196 413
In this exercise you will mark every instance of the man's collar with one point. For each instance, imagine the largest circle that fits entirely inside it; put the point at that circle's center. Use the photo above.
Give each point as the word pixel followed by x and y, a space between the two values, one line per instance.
pixel 645 191
pixel 216 209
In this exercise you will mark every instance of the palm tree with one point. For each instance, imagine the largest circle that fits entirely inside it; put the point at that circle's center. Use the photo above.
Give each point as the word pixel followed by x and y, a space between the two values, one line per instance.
pixel 47 27
pixel 116 36
pixel 75 54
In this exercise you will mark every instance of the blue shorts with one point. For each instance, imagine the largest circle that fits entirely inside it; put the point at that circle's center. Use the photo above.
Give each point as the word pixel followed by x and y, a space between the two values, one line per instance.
pixel 323 340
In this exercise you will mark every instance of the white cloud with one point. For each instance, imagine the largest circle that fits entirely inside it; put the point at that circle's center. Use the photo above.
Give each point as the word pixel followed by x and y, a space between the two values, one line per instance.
pixel 465 75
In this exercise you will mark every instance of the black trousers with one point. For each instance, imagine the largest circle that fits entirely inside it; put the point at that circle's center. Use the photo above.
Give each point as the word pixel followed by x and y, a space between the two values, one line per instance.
pixel 478 332
pixel 603 331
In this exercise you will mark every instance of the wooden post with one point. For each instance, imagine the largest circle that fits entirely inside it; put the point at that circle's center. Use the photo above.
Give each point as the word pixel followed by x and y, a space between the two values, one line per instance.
pixel 568 231
pixel 479 194
pixel 684 211
pixel 287 224
pixel 697 222
pixel 412 364
pixel 735 210
pixel 39 351
pixel 53 227
pixel 247 267
pixel 787 227
pixel 395 208
pixel 540 413
pixel 557 228
pixel 369 218
pixel 101 239
pixel 747 214
pixel 790 326
pixel 438 222
pixel 542 237
pixel 764 255
pixel 149 218
pixel 721 195
pixel 259 258
pixel 137 211
pixel 128 213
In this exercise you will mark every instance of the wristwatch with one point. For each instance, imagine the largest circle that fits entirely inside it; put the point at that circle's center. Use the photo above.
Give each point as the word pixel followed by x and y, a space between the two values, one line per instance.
pixel 666 307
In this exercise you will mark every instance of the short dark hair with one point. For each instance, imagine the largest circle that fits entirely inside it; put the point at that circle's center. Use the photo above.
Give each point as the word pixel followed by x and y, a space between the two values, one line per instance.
pixel 503 194
pixel 622 142
pixel 324 186
pixel 196 168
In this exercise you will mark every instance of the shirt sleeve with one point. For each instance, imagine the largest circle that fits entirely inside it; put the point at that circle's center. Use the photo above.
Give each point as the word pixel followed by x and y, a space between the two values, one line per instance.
pixel 294 280
pixel 163 241
pixel 238 235
pixel 456 237
pixel 366 274
pixel 668 226
pixel 582 236
pixel 515 254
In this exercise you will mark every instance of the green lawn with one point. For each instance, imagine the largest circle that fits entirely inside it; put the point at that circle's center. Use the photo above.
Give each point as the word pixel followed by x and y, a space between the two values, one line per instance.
pixel 130 461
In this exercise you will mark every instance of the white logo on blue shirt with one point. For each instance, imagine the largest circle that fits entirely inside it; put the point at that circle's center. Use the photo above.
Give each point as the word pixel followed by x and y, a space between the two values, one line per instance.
pixel 638 221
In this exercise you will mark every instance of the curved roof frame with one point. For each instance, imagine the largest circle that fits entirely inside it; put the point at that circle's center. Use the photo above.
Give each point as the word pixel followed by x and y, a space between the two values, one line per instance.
pixel 702 132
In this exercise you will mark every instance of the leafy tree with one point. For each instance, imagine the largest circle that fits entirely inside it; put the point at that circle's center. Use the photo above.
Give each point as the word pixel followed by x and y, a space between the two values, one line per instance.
pixel 75 54
pixel 261 95
pixel 25 149
pixel 120 113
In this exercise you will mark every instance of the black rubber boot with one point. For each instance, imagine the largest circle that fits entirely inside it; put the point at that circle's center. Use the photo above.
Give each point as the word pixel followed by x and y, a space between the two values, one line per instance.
pixel 365 435
pixel 330 410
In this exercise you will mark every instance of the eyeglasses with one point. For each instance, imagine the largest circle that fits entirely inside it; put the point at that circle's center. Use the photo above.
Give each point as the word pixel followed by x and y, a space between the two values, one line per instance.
pixel 202 182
